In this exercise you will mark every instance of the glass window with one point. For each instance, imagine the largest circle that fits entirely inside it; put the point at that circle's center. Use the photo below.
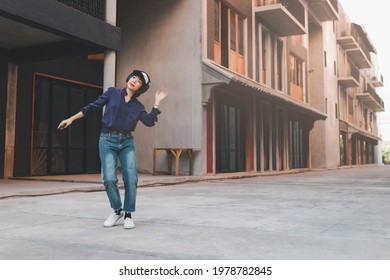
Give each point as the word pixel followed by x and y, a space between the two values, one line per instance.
pixel 228 38
pixel 232 30
pixel 296 71
pixel 240 36
pixel 216 20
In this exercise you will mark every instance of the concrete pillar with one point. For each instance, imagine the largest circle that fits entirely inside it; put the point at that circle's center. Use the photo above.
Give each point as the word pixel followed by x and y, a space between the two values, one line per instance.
pixel 109 74
pixel 10 121
pixel 254 136
pixel 261 128
pixel 111 12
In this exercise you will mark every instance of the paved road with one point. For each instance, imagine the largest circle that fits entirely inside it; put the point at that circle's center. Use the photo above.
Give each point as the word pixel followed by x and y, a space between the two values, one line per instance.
pixel 341 214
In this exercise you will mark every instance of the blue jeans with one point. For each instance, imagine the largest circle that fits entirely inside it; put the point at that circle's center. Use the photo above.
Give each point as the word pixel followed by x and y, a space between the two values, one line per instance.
pixel 111 148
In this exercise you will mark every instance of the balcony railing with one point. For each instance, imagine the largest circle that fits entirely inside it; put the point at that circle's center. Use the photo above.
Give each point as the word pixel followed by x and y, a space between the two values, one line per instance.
pixel 287 17
pixel 95 8
pixel 325 10
pixel 371 99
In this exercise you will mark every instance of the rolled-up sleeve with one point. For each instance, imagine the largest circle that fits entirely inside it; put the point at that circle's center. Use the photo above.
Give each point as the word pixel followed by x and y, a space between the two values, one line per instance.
pixel 98 104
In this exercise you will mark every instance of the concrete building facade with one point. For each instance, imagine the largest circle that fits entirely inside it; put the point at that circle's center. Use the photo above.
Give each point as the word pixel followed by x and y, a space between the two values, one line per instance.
pixel 254 85
pixel 262 84
pixel 359 103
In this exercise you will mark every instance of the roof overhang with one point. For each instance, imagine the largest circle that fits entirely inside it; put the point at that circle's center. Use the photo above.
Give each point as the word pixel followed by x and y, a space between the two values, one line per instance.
pixel 214 75
pixel 352 129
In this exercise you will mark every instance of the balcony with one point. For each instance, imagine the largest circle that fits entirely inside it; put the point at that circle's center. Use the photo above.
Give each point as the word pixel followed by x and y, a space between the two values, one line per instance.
pixel 325 10
pixel 286 17
pixel 357 45
pixel 371 99
pixel 349 79
pixel 377 81
pixel 29 35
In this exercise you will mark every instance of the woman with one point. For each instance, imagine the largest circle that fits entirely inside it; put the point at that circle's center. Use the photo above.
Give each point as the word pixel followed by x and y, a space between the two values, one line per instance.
pixel 121 115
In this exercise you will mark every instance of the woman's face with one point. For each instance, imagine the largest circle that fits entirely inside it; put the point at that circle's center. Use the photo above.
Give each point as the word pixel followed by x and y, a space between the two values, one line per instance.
pixel 134 83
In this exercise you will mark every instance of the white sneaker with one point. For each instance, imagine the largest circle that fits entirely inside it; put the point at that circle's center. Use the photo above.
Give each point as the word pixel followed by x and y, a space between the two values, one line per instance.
pixel 129 224
pixel 112 219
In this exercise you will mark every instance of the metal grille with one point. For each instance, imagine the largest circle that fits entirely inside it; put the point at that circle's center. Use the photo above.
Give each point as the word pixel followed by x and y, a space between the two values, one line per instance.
pixel 95 8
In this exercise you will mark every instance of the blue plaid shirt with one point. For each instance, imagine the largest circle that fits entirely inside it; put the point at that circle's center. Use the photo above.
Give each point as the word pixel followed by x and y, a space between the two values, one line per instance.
pixel 120 115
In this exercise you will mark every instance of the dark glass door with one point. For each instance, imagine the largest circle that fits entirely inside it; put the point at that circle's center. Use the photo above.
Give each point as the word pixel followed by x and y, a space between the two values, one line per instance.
pixel 70 151
pixel 298 142
pixel 230 136
pixel 343 148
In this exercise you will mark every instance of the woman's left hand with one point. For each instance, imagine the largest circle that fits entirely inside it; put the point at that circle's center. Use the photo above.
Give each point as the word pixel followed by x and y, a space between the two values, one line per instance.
pixel 161 94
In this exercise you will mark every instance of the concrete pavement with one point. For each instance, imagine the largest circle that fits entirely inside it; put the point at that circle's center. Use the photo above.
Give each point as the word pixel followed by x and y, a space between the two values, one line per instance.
pixel 47 185
pixel 339 214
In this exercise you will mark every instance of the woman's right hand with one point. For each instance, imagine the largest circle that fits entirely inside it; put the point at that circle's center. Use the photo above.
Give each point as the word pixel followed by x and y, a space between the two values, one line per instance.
pixel 65 123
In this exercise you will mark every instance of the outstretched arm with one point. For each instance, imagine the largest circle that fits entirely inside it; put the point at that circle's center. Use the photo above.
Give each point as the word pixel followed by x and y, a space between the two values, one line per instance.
pixel 91 107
